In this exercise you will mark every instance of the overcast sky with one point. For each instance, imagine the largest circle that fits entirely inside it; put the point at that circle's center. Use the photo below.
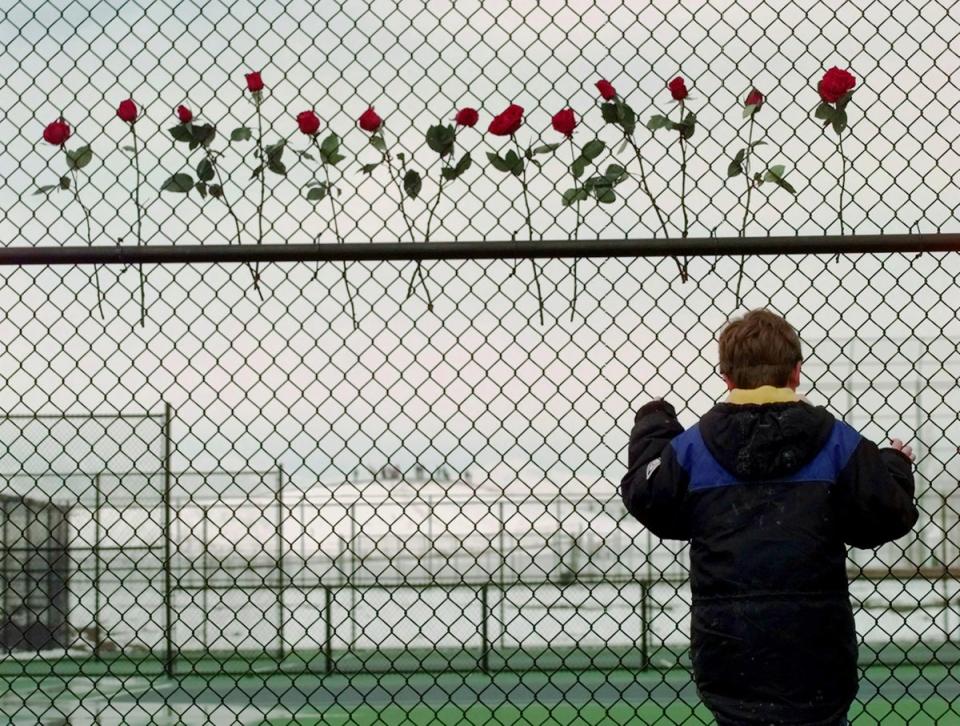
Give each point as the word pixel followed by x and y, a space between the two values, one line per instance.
pixel 477 383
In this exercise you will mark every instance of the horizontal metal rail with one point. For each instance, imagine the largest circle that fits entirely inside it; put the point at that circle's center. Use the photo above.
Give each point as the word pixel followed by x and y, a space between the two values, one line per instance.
pixel 486 250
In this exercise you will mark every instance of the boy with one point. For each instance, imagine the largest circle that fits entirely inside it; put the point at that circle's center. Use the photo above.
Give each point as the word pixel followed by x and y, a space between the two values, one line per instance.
pixel 768 489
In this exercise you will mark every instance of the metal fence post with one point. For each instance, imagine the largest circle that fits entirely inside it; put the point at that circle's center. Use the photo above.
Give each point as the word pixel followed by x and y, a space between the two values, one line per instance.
pixel 644 627
pixel 484 630
pixel 97 535
pixel 168 665
pixel 280 574
pixel 205 565
pixel 328 636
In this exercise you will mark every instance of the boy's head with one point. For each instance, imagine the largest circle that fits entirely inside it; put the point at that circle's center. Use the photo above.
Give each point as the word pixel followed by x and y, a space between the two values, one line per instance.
pixel 760 349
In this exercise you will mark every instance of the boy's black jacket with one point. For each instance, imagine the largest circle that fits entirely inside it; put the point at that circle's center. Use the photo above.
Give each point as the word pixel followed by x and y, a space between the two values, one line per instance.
pixel 768 495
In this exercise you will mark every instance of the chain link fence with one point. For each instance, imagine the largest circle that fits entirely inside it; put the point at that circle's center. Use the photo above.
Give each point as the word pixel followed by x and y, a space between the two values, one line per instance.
pixel 275 509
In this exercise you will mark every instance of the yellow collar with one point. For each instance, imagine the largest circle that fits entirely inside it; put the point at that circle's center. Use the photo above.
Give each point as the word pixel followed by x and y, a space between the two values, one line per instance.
pixel 763 394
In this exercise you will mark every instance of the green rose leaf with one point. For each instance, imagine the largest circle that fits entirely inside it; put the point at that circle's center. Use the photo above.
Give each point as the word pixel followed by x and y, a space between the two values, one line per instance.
pixel 440 138
pixel 609 111
pixel 659 122
pixel 605 195
pixel 46 189
pixel 786 185
pixel 202 188
pixel 336 158
pixel 687 126
pixel 514 162
pixel 130 149
pixel 277 167
pixel 734 169
pixel 329 145
pixel 402 157
pixel 775 172
pixel 497 163
pixel 257 172
pixel 615 174
pixel 205 170
pixel 179 183
pixel 459 169
pixel 412 183
pixel 592 149
pixel 824 112
pixel 305 155
pixel 64 182
pixel 578 167
pixel 839 121
pixel 377 142
pixel 317 193
pixel 741 155
pixel 546 149
pixel 368 168
pixel 79 158
pixel 626 117
pixel 274 151
pixel 181 132
pixel 758 143
pixel 238 134
pixel 574 195
pixel 202 135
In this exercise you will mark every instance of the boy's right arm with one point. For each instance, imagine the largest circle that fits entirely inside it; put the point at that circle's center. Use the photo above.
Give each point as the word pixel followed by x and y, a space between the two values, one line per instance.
pixel 655 486
pixel 876 496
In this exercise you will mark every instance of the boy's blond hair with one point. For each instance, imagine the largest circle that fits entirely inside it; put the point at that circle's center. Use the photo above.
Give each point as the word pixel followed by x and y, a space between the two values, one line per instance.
pixel 759 349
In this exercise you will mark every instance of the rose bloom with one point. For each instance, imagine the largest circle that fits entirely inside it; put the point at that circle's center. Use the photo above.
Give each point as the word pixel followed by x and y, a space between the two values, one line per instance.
pixel 127 111
pixel 678 88
pixel 254 82
pixel 467 117
pixel 754 98
pixel 606 90
pixel 57 133
pixel 508 122
pixel 564 121
pixel 370 121
pixel 835 84
pixel 184 114
pixel 308 123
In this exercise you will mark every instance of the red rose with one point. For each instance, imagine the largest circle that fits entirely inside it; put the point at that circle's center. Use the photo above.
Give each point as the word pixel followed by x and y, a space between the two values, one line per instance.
pixel 754 98
pixel 184 114
pixel 467 117
pixel 254 82
pixel 606 90
pixel 370 121
pixel 308 123
pixel 127 111
pixel 508 122
pixel 564 121
pixel 57 133
pixel 835 84
pixel 678 88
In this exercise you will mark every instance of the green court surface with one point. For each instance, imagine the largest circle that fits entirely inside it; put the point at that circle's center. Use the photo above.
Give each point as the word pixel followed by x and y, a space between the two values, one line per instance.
pixel 888 697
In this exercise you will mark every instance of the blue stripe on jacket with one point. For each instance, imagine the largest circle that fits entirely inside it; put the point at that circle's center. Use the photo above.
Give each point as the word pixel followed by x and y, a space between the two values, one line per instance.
pixel 705 471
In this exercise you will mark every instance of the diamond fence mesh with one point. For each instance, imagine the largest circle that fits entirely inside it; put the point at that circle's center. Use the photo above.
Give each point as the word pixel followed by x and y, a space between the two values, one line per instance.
pixel 252 510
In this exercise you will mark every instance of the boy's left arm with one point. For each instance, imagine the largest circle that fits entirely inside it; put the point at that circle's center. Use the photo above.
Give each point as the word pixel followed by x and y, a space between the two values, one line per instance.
pixel 655 486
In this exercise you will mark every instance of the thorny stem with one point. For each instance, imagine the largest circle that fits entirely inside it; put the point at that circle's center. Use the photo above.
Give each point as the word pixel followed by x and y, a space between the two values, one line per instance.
pixel 136 200
pixel 653 202
pixel 576 233
pixel 526 201
pixel 843 182
pixel 336 231
pixel 263 190
pixel 746 206
pixel 683 189
pixel 86 214
pixel 403 210
pixel 419 269
pixel 236 219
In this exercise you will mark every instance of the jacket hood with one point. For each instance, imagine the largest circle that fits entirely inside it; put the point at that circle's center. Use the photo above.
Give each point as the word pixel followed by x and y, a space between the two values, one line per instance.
pixel 765 441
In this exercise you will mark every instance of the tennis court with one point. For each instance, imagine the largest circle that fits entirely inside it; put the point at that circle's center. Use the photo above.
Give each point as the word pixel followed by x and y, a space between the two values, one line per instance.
pixel 137 693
